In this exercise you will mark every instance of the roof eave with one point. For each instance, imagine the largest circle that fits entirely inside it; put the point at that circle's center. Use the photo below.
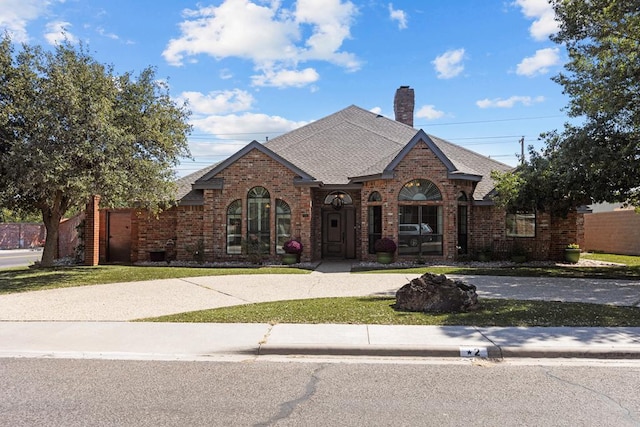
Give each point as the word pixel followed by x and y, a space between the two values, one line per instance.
pixel 464 176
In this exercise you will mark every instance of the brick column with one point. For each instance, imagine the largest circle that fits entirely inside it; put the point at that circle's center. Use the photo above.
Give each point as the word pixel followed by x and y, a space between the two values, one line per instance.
pixel 92 232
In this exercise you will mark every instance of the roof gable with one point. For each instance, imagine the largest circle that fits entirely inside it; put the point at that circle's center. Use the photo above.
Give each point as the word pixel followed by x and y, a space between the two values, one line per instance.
pixel 420 136
pixel 209 180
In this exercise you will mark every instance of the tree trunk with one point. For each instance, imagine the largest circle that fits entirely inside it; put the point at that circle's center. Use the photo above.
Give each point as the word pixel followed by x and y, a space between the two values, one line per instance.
pixel 50 252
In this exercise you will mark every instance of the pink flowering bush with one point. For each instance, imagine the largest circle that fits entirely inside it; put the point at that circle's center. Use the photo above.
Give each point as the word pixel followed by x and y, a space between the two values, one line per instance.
pixel 292 247
pixel 385 245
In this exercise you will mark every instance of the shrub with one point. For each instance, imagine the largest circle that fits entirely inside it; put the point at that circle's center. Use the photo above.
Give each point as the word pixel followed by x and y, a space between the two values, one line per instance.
pixel 573 246
pixel 385 245
pixel 292 247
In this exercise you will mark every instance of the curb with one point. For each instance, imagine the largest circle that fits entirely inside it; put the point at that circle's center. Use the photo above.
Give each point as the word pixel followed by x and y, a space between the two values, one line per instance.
pixel 493 352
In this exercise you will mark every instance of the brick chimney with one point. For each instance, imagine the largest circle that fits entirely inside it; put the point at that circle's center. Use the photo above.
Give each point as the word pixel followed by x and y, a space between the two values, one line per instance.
pixel 403 105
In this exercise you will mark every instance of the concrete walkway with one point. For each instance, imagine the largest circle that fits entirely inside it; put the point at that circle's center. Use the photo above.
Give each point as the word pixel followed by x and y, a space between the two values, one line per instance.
pixel 91 322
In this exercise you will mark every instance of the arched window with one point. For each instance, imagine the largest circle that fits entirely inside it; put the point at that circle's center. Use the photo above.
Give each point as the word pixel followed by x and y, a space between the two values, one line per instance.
pixel 234 227
pixel 338 199
pixel 258 220
pixel 283 224
pixel 419 189
pixel 420 225
pixel 375 197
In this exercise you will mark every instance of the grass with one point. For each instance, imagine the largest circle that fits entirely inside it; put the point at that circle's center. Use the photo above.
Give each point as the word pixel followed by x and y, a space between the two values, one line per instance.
pixel 629 261
pixel 26 279
pixel 629 271
pixel 376 310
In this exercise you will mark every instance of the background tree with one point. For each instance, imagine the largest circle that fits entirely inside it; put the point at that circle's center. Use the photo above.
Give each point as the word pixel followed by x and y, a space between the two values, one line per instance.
pixel 599 159
pixel 71 127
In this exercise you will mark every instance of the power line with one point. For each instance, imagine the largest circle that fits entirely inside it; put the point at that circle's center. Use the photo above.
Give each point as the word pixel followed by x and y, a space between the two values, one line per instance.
pixel 277 132
pixel 493 121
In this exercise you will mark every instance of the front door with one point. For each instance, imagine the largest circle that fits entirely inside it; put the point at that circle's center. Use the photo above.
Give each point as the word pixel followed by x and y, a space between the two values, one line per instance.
pixel 338 233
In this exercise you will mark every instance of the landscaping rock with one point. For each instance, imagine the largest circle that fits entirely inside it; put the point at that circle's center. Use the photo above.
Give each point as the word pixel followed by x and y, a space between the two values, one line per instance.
pixel 432 293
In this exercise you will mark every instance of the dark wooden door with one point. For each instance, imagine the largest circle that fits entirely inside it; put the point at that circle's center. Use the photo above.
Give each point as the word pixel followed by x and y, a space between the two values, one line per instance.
pixel 338 233
pixel 119 237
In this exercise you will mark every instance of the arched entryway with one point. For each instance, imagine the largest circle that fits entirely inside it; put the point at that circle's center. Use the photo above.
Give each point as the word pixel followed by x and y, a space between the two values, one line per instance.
pixel 338 226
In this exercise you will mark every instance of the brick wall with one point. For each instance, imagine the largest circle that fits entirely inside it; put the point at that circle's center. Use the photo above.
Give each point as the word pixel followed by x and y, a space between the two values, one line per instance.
pixel 68 236
pixel 256 168
pixel 553 234
pixel 616 232
pixel 419 163
pixel 21 235
pixel 154 234
pixel 190 227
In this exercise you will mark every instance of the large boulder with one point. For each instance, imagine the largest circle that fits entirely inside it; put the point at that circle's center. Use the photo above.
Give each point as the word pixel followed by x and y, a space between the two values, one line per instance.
pixel 434 293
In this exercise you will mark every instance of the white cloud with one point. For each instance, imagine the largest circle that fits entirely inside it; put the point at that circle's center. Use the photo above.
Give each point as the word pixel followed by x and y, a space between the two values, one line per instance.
pixel 376 110
pixel 236 126
pixel 429 112
pixel 58 32
pixel 226 74
pixel 105 33
pixel 398 15
pixel 286 78
pixel 449 64
pixel 16 14
pixel 270 36
pixel 539 63
pixel 509 102
pixel 217 102
pixel 542 13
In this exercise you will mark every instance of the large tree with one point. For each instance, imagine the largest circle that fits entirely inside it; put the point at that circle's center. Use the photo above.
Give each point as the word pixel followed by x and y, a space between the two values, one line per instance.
pixel 597 160
pixel 70 127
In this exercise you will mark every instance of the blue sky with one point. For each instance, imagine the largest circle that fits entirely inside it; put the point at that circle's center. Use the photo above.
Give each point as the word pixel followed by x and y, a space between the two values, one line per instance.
pixel 252 69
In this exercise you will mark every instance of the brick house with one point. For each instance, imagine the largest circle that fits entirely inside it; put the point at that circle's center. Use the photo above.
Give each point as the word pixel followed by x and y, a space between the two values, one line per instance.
pixel 337 185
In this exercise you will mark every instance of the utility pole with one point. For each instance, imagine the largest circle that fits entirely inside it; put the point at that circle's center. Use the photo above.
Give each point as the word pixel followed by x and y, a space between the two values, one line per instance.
pixel 522 150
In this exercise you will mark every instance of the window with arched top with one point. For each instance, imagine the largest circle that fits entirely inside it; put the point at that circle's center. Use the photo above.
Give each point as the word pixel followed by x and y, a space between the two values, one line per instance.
pixel 420 225
pixel 375 197
pixel 283 224
pixel 462 197
pixel 419 190
pixel 338 199
pixel 258 220
pixel 234 227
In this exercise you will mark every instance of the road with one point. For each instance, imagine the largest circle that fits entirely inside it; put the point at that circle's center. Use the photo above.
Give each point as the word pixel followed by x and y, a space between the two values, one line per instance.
pixel 295 392
pixel 19 257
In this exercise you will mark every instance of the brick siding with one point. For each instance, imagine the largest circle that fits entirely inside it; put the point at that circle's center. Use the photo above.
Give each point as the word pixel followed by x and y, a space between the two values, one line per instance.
pixel 21 235
pixel 616 232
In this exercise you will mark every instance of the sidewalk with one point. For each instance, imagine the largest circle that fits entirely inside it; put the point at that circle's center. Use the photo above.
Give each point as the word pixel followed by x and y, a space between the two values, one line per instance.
pixel 198 341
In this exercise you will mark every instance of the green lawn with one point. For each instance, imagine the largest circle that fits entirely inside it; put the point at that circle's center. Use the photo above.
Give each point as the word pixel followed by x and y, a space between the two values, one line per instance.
pixel 374 310
pixel 630 270
pixel 33 279
pixel 629 261
pixel 27 279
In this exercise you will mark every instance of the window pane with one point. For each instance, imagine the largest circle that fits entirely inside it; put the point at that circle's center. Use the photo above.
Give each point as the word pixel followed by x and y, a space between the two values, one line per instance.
pixel 283 224
pixel 234 227
pixel 258 220
pixel 375 197
pixel 375 226
pixel 419 189
pixel 521 224
pixel 420 230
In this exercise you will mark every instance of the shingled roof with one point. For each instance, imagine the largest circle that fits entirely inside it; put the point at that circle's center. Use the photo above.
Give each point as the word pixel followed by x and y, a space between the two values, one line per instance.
pixel 354 144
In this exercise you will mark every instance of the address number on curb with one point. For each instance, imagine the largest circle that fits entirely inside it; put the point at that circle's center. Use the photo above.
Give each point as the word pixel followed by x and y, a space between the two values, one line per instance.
pixel 474 352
